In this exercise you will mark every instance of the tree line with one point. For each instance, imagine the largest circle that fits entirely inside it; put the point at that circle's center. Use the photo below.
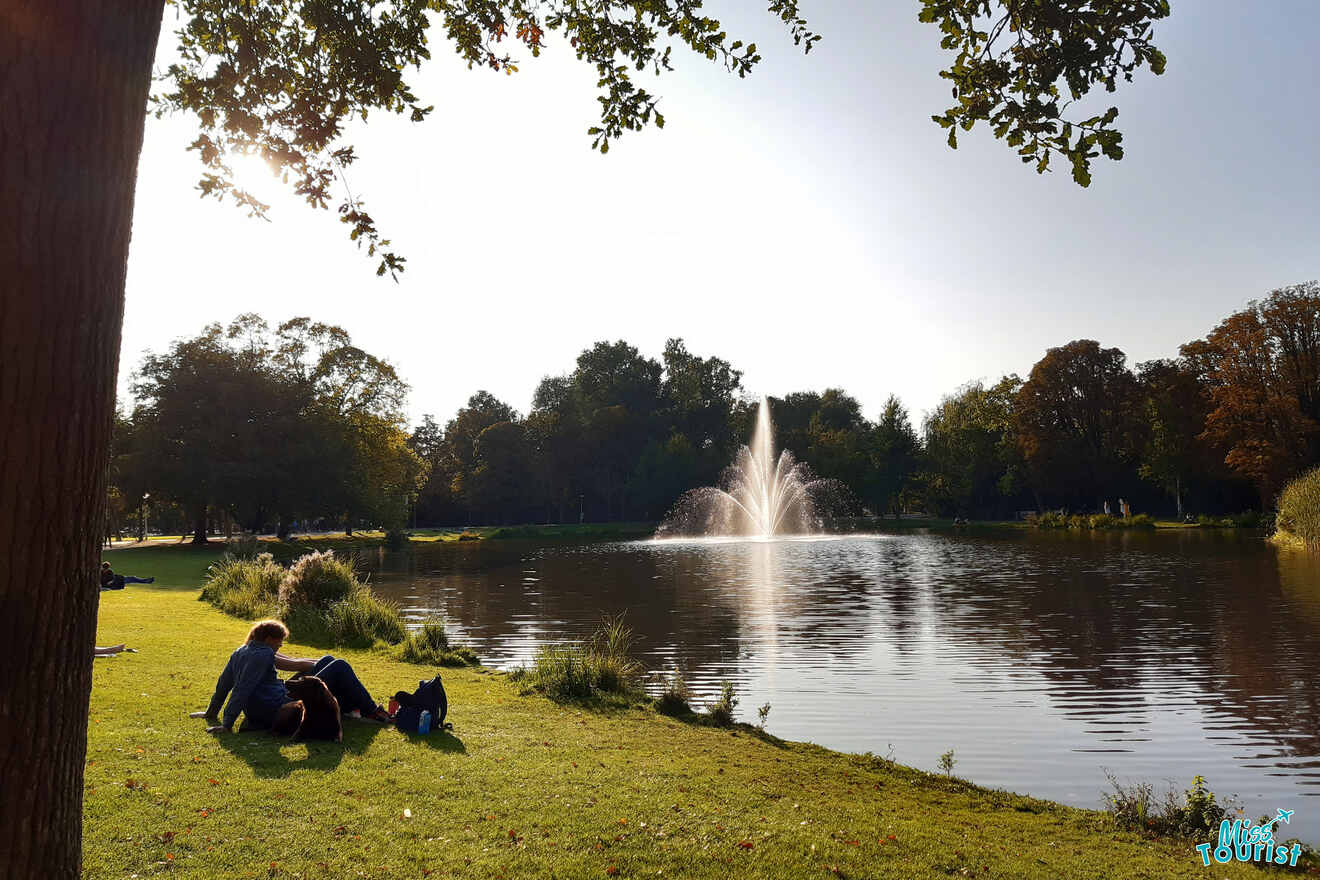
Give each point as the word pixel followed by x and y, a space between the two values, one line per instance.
pixel 267 427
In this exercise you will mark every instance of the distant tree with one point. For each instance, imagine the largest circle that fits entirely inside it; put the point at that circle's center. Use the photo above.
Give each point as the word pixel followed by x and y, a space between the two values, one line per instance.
pixel 211 423
pixel 895 456
pixel 555 430
pixel 619 394
pixel 1174 408
pixel 502 476
pixel 268 428
pixel 1075 423
pixel 664 471
pixel 459 459
pixel 972 463
pixel 699 395
pixel 1262 365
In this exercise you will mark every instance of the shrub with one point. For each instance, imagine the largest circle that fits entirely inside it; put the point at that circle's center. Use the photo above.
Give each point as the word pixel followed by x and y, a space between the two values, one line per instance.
pixel 319 580
pixel 1101 521
pixel 396 539
pixel 721 711
pixel 430 646
pixel 1299 509
pixel 675 697
pixel 1051 520
pixel 1141 521
pixel 1195 814
pixel 246 588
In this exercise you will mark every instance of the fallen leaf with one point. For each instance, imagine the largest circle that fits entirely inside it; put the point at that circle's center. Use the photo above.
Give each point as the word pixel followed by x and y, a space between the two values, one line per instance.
pixel 745 844
pixel 612 870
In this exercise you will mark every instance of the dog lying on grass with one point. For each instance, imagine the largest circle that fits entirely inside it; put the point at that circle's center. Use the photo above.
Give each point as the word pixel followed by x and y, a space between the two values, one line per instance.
pixel 312 714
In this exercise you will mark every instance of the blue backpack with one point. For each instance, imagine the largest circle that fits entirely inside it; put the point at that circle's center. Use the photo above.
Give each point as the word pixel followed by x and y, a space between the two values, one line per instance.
pixel 429 697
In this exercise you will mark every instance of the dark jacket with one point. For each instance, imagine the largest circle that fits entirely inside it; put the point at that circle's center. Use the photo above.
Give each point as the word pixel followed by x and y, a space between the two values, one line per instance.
pixel 256 690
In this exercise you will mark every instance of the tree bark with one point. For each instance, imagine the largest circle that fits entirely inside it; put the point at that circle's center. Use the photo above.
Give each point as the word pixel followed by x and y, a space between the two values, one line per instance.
pixel 74 76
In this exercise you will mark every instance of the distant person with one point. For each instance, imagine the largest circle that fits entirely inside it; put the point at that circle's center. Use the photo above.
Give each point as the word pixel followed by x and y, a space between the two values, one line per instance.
pixel 112 581
pixel 254 690
pixel 112 650
pixel 1106 507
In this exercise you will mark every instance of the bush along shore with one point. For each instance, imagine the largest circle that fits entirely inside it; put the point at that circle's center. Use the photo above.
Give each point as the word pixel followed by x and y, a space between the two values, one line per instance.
pixel 592 779
pixel 1297 522
pixel 324 603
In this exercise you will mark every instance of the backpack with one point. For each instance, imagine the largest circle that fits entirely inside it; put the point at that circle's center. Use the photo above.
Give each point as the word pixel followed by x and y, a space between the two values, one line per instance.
pixel 429 697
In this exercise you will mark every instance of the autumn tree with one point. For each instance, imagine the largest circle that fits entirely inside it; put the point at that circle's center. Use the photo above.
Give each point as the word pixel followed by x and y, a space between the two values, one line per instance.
pixel 276 79
pixel 1074 423
pixel 1262 366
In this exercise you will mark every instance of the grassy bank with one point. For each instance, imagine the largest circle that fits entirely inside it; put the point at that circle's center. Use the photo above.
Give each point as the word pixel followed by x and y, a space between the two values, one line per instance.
pixel 522 788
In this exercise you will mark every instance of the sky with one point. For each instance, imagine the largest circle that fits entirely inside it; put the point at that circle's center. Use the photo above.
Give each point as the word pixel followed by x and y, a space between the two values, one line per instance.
pixel 808 223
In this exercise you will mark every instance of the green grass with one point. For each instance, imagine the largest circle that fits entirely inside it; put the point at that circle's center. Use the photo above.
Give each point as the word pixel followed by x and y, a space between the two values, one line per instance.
pixel 523 787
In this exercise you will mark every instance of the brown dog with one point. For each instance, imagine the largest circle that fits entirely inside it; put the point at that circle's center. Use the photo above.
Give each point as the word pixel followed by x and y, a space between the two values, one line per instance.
pixel 288 719
pixel 313 714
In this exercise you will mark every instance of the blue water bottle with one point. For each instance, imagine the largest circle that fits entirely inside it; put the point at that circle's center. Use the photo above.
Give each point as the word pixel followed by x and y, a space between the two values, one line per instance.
pixel 424 722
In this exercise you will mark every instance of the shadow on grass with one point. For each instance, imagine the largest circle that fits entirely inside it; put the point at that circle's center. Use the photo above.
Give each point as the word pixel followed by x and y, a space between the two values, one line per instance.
pixel 272 757
pixel 440 741
pixel 266 754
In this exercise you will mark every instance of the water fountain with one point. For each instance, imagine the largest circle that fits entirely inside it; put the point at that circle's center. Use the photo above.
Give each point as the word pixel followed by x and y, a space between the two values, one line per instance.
pixel 762 497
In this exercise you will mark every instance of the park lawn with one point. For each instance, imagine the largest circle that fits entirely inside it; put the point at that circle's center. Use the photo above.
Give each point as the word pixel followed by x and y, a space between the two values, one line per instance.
pixel 522 787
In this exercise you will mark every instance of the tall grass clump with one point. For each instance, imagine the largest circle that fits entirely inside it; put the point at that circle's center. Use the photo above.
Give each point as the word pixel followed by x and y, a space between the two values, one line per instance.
pixel 244 546
pixel 1298 517
pixel 246 588
pixel 319 597
pixel 319 580
pixel 430 646
pixel 577 671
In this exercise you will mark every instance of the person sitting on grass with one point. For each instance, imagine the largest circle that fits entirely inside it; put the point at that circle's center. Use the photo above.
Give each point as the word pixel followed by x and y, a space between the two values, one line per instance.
pixel 112 650
pixel 253 689
pixel 112 581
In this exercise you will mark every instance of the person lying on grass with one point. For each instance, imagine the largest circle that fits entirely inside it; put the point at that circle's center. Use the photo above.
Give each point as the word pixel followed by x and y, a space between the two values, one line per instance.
pixel 112 650
pixel 112 581
pixel 250 682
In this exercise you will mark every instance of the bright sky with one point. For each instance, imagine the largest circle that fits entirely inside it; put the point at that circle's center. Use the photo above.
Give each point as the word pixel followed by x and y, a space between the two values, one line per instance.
pixel 808 223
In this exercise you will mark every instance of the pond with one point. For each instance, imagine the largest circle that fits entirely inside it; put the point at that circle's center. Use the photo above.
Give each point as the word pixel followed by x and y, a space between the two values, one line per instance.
pixel 1044 660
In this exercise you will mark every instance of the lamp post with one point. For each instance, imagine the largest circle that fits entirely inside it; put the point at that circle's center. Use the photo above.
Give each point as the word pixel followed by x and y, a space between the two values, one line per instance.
pixel 142 536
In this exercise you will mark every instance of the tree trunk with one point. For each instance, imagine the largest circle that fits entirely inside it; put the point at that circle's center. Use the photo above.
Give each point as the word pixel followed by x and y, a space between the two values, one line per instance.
pixel 73 89
pixel 199 524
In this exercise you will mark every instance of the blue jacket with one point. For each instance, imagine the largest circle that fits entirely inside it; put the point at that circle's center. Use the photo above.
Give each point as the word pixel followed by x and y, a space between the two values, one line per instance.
pixel 256 690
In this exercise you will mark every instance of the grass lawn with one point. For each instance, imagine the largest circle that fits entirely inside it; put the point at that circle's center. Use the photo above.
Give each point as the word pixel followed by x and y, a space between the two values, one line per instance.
pixel 522 787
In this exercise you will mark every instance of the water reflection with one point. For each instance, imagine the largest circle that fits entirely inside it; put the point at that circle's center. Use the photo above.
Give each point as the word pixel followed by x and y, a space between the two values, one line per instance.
pixel 1040 658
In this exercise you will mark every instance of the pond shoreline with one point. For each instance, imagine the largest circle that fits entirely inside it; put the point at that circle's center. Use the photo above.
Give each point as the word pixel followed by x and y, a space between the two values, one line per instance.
pixel 526 787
